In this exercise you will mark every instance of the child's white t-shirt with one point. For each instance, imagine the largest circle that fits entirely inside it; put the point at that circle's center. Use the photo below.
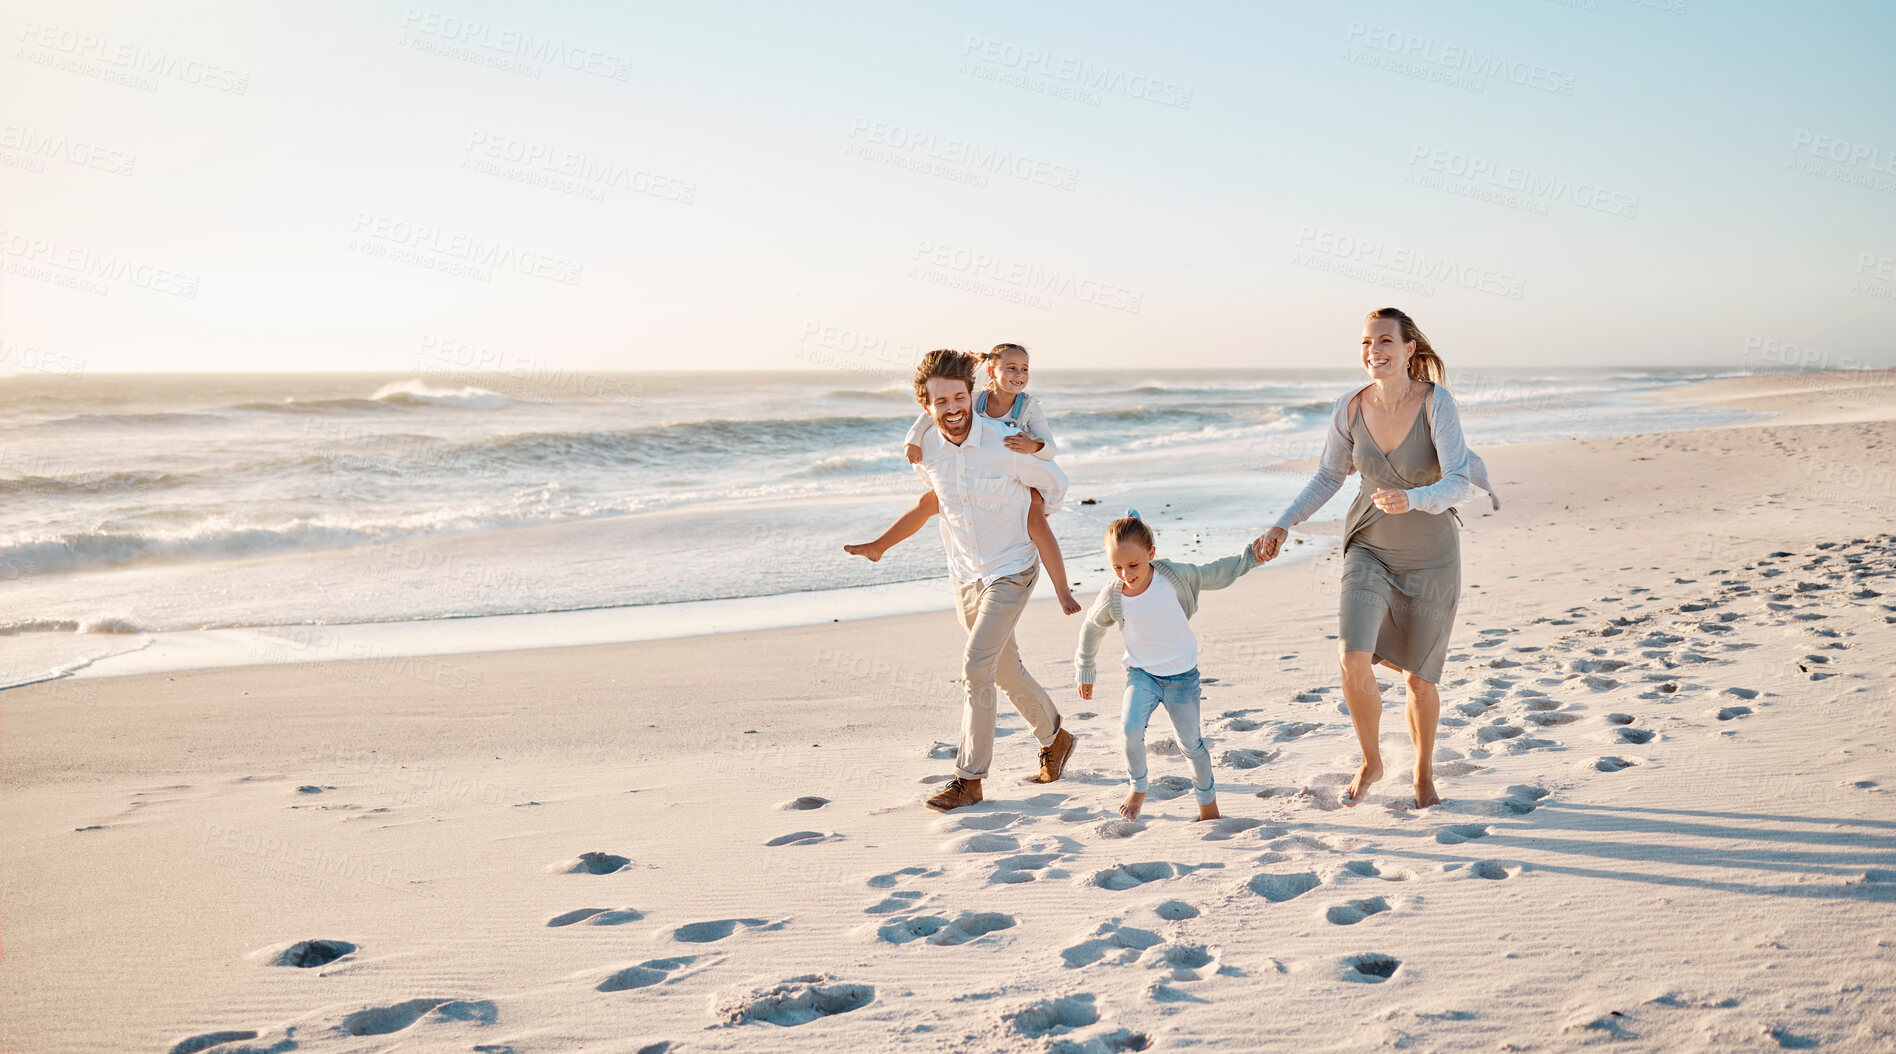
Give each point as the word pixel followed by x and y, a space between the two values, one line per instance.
pixel 1158 638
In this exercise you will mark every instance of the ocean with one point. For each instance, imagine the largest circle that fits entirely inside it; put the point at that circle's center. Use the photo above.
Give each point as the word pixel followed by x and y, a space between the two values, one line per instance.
pixel 145 508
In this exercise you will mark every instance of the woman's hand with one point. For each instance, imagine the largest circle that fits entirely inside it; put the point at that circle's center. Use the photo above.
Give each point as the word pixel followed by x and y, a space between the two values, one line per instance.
pixel 913 453
pixel 1393 502
pixel 1086 691
pixel 1268 543
pixel 1021 444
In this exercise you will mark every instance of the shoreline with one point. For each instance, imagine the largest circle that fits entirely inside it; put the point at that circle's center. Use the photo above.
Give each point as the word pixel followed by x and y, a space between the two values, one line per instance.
pixel 406 639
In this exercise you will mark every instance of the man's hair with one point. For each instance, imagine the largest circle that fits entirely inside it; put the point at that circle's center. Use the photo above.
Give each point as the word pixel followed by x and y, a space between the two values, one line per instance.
pixel 948 363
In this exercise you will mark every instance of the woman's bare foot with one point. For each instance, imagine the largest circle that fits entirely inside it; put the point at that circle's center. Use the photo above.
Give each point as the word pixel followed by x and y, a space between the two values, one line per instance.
pixel 1131 806
pixel 1208 812
pixel 1067 603
pixel 866 550
pixel 1425 795
pixel 1368 773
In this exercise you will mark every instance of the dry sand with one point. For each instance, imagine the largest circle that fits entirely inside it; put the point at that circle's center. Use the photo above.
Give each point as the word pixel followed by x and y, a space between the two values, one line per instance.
pixel 1667 819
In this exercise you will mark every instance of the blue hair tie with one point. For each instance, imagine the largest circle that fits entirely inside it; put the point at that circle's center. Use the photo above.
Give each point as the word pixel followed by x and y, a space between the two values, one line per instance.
pixel 1134 513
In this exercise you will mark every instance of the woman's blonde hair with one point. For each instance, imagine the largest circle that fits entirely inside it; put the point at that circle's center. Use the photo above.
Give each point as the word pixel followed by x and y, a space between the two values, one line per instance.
pixel 1425 364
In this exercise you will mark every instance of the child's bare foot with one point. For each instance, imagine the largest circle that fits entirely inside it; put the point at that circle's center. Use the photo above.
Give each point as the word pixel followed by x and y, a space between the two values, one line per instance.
pixel 866 550
pixel 1368 773
pixel 1208 812
pixel 1425 795
pixel 1131 806
pixel 1068 604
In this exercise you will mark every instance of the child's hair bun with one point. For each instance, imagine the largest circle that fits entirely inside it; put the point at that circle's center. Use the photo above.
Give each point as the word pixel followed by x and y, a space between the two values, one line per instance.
pixel 1129 528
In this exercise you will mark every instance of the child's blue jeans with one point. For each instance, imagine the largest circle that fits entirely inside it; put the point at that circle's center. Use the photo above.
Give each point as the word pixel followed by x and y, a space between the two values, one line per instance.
pixel 1179 693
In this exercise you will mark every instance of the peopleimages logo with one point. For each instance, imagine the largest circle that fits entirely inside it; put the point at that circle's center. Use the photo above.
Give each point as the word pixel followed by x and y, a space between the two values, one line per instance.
pixel 975 156
pixel 1400 260
pixel 515 44
pixel 1527 182
pixel 1845 152
pixel 1077 72
pixel 1037 284
pixel 1459 58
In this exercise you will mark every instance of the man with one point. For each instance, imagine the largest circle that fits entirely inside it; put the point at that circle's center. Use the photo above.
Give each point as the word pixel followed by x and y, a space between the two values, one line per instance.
pixel 982 489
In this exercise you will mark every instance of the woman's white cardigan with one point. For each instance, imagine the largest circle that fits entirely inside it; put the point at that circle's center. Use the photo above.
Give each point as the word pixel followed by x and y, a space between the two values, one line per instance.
pixel 1463 472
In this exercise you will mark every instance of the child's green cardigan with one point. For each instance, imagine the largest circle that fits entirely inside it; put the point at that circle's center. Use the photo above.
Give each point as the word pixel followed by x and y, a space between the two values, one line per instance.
pixel 1187 579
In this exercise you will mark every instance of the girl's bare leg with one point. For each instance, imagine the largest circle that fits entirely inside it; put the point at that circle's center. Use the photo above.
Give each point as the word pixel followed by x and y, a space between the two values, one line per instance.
pixel 1364 699
pixel 1049 549
pixel 904 526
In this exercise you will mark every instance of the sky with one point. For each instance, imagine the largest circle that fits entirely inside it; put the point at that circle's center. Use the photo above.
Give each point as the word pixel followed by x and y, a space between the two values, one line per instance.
pixel 316 185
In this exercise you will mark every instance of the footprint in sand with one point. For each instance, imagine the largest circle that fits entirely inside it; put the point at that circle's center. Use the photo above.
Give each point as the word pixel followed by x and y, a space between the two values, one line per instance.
pixel 1112 943
pixel 1176 911
pixel 1227 827
pixel 596 917
pixel 1730 713
pixel 302 954
pixel 988 842
pixel 1117 827
pixel 803 804
pixel 989 821
pixel 1352 912
pixel 889 880
pixel 932 929
pixel 1131 876
pixel 1740 693
pixel 1242 724
pixel 1368 869
pixel 1632 735
pixel 644 975
pixel 1185 960
pixel 1461 832
pixel 1493 870
pixel 901 900
pixel 1372 968
pixel 1553 720
pixel 1613 764
pixel 1619 719
pixel 1279 888
pixel 1052 1017
pixel 1295 729
pixel 718 929
pixel 384 1020
pixel 1026 867
pixel 1519 800
pixel 1246 758
pixel 591 864
pixel 797 1001
pixel 193 1044
pixel 1491 733
pixel 799 838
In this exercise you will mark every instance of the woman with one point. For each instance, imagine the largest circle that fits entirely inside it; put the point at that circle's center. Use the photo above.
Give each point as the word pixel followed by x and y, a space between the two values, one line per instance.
pixel 1401 550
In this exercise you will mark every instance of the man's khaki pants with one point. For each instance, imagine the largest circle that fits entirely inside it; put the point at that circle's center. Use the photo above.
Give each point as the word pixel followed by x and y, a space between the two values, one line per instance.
pixel 992 659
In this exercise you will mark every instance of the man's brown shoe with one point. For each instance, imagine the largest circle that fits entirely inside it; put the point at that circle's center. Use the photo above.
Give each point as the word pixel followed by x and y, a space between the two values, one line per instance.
pixel 1053 757
pixel 957 793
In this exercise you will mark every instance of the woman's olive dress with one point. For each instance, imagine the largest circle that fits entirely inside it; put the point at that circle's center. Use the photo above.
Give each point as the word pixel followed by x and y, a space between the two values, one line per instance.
pixel 1401 574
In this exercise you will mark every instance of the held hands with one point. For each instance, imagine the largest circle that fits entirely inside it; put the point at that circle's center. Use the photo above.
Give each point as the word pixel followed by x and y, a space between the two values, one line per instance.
pixel 1021 444
pixel 1086 691
pixel 1268 543
pixel 1393 502
pixel 913 453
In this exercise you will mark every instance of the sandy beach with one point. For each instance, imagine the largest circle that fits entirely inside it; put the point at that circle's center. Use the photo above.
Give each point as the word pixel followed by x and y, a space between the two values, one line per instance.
pixel 1666 763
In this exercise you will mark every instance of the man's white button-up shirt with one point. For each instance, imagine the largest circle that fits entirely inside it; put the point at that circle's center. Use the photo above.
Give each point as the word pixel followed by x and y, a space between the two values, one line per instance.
pixel 983 489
